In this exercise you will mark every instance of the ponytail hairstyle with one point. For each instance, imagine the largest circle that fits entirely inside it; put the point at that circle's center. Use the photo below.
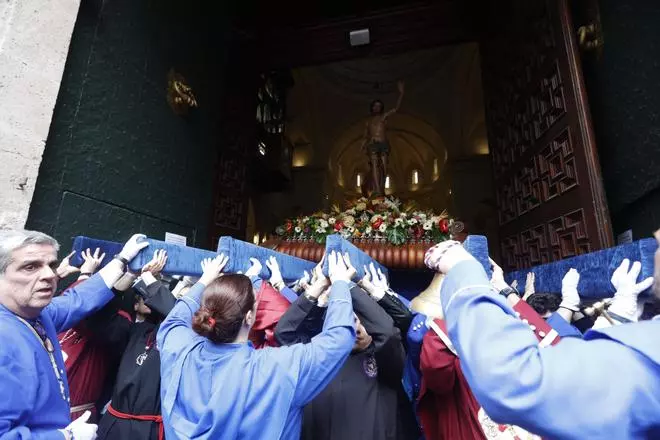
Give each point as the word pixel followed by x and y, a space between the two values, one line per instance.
pixel 225 303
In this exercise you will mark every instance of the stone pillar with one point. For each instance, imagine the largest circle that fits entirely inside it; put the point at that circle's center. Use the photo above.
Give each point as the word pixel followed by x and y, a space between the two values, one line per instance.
pixel 34 42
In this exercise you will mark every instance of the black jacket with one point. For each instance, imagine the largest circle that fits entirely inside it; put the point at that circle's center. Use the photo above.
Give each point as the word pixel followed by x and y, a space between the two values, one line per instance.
pixel 361 401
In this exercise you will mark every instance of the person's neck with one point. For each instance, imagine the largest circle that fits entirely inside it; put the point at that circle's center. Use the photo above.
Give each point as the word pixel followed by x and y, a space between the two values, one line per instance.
pixel 139 317
pixel 243 335
pixel 23 312
pixel 428 302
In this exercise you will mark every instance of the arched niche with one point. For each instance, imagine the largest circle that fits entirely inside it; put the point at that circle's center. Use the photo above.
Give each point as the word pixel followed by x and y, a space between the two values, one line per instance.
pixel 414 145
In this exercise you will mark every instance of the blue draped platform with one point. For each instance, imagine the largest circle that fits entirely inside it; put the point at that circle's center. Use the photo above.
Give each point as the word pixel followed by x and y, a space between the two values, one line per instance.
pixel 595 269
pixel 477 245
pixel 359 259
pixel 240 252
pixel 184 260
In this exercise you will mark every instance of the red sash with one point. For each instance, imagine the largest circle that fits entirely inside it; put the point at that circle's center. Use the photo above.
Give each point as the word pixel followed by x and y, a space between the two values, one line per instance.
pixel 155 419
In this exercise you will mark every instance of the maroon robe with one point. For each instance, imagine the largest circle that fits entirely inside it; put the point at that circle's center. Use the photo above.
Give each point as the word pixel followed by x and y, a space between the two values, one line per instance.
pixel 446 407
pixel 87 361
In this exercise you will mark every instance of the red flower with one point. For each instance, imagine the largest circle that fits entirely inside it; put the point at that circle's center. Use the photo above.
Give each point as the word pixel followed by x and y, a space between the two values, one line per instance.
pixel 375 225
pixel 443 224
pixel 339 225
pixel 289 226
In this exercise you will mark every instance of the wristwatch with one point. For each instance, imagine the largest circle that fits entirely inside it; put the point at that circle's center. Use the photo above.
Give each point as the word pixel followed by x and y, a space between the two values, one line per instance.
pixel 121 259
pixel 311 298
pixel 508 291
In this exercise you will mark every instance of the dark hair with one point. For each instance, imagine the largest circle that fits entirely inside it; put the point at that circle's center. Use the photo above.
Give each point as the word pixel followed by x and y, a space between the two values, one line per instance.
pixel 374 102
pixel 225 303
pixel 544 302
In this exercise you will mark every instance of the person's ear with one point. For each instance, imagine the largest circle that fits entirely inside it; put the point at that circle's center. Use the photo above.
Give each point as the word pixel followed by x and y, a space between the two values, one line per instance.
pixel 250 317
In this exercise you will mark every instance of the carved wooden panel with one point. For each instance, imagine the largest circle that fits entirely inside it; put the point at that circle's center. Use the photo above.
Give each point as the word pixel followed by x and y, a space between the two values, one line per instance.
pixel 547 177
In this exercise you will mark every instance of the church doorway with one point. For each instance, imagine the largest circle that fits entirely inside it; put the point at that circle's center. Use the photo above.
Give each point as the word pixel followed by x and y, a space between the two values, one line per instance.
pixel 540 167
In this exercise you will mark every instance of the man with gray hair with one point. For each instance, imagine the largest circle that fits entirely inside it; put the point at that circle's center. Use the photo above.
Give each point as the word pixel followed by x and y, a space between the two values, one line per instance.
pixel 35 392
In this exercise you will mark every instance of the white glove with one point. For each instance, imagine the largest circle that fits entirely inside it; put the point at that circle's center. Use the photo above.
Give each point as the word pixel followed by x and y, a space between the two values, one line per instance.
pixel 570 299
pixel 79 429
pixel 255 269
pixel 212 268
pixel 133 246
pixel 276 279
pixel 497 279
pixel 338 269
pixel 624 280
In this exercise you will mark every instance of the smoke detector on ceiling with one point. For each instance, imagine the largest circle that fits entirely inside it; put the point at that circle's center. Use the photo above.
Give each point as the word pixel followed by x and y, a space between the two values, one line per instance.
pixel 359 37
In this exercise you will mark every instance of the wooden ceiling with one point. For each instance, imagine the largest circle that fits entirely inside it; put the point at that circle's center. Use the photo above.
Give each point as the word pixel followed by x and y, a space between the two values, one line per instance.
pixel 290 34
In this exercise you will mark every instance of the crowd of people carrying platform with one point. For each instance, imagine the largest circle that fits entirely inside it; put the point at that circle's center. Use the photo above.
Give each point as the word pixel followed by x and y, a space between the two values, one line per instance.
pixel 122 355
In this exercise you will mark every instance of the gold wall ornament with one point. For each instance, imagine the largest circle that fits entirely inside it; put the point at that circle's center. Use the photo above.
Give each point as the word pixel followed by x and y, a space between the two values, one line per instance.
pixel 180 96
pixel 590 37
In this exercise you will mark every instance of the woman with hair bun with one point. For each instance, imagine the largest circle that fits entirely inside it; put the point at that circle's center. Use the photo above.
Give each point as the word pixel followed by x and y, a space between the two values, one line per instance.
pixel 215 385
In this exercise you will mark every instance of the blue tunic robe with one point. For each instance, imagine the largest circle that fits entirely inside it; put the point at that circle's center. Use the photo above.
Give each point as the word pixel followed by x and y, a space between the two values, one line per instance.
pixel 32 406
pixel 606 386
pixel 231 391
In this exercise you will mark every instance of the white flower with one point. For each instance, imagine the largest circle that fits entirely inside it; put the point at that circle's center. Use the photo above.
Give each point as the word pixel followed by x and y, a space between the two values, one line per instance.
pixel 351 229
pixel 367 230
pixel 364 217
pixel 398 222
pixel 349 220
pixel 305 219
pixel 323 224
pixel 404 215
pixel 332 220
pixel 298 229
pixel 382 228
pixel 421 215
pixel 412 221
pixel 320 230
pixel 350 212
pixel 428 225
pixel 375 217
pixel 361 206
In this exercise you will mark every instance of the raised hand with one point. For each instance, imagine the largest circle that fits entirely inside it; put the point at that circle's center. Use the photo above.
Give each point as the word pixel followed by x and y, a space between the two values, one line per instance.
pixel 570 299
pixel 530 283
pixel 338 269
pixel 302 283
pixel 212 268
pixel 157 263
pixel 374 282
pixel 91 261
pixel 444 256
pixel 317 272
pixel 317 288
pixel 276 279
pixel 65 268
pixel 497 279
pixel 349 265
pixel 133 246
pixel 255 268
pixel 624 280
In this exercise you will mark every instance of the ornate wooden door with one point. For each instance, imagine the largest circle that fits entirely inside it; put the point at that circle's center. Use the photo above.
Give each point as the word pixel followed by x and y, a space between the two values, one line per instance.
pixel 551 202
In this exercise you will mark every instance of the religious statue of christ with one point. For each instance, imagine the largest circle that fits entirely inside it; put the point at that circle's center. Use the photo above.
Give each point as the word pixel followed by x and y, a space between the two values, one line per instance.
pixel 376 145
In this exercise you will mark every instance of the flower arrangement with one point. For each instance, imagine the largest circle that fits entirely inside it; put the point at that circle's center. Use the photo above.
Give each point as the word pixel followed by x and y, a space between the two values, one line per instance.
pixel 378 218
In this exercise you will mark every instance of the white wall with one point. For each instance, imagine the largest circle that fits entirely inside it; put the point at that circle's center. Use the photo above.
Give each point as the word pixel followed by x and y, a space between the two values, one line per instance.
pixel 34 42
